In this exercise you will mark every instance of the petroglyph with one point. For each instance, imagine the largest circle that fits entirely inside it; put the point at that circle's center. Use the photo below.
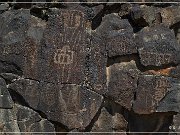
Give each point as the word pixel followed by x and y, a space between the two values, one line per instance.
pixel 161 85
pixel 155 58
pixel 64 56
pixel 48 97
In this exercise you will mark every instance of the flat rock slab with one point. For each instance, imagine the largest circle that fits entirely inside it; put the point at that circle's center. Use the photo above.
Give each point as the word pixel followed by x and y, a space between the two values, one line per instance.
pixel 159 46
pixel 150 91
pixel 70 104
pixel 58 58
pixel 23 119
pixel 118 35
pixel 66 39
pixel 122 83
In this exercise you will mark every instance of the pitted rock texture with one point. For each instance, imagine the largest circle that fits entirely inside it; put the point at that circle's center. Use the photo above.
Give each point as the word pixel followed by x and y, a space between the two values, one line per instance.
pixel 91 66
pixel 159 46
pixel 122 83
pixel 69 104
pixel 18 118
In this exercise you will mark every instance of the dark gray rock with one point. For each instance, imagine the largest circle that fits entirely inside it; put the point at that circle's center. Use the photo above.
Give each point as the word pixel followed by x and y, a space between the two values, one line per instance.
pixel 125 9
pixel 170 15
pixel 29 89
pixel 15 26
pixel 70 104
pixel 175 127
pixel 20 35
pixel 143 15
pixel 96 65
pixel 65 46
pixel 151 91
pixel 5 98
pixel 156 122
pixel 159 46
pixel 171 100
pixel 22 119
pixel 108 122
pixel 118 35
pixel 112 25
pixel 122 83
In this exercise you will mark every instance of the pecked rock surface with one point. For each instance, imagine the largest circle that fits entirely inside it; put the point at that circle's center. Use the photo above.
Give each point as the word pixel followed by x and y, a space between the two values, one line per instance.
pixel 89 67
pixel 18 118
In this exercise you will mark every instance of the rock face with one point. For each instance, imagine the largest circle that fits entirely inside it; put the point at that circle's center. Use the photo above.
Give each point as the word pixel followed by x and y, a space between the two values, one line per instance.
pixel 17 118
pixel 150 91
pixel 159 46
pixel 23 119
pixel 69 104
pixel 122 83
pixel 93 66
